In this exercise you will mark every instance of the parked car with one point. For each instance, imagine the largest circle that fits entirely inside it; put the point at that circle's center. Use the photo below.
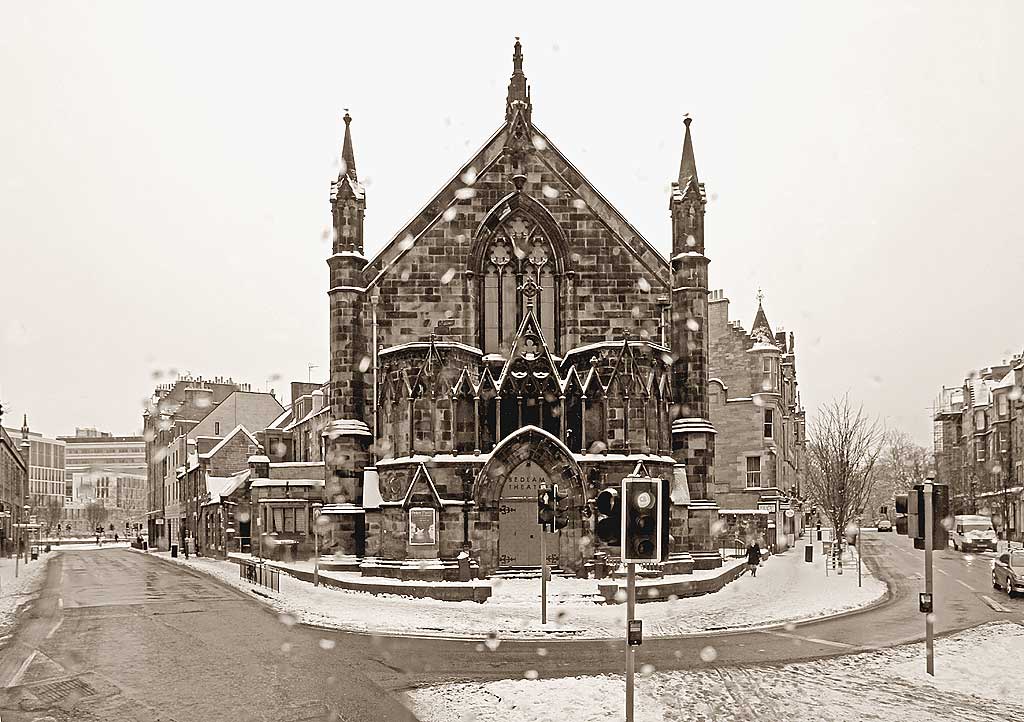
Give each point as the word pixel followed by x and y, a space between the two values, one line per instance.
pixel 1008 572
pixel 883 525
pixel 972 532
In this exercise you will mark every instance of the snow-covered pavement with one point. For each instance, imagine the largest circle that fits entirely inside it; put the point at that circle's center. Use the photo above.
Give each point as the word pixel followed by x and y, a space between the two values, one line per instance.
pixel 786 589
pixel 977 679
pixel 14 591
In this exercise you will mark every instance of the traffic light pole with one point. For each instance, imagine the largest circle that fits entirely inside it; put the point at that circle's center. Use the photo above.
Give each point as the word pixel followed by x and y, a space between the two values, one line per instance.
pixel 630 653
pixel 929 532
pixel 543 575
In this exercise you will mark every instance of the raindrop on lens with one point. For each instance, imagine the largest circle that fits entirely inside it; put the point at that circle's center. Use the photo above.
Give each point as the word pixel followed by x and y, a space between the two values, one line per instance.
pixel 646 670
pixel 447 276
pixel 326 644
pixel 364 364
pixel 542 651
pixel 708 654
pixel 531 674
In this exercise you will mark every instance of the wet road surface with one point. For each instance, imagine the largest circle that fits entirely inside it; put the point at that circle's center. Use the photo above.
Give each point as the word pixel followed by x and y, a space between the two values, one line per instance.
pixel 118 635
pixel 164 641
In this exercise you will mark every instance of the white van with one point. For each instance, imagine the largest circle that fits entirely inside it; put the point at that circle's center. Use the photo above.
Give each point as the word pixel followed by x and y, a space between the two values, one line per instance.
pixel 972 532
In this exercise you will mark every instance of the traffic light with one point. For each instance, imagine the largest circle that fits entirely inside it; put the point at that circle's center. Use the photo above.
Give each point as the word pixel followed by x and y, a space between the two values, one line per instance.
pixel 608 526
pixel 561 502
pixel 666 518
pixel 940 513
pixel 641 520
pixel 545 509
pixel 941 516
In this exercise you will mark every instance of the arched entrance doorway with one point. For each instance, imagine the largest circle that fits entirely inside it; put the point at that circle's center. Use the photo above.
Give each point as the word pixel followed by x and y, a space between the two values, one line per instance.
pixel 507 486
pixel 519 534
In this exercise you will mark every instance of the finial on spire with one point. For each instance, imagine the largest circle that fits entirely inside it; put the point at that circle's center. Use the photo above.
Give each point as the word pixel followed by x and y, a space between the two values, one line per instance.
pixel 760 296
pixel 518 91
pixel 348 156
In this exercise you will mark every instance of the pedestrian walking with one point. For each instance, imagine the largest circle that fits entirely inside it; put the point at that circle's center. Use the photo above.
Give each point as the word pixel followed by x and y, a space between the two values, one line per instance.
pixel 185 545
pixel 115 537
pixel 753 558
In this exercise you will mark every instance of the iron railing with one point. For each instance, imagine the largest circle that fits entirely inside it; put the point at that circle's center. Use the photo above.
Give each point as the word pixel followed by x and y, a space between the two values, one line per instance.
pixel 257 572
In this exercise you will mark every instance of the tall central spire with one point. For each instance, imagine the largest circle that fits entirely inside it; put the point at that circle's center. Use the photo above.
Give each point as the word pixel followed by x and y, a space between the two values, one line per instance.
pixel 518 91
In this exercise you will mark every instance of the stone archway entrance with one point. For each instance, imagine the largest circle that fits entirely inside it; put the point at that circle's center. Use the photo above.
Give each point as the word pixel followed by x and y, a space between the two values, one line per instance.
pixel 507 486
pixel 518 531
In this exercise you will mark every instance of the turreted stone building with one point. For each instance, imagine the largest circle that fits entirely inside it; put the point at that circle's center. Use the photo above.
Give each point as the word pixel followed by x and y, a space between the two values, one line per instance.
pixel 517 332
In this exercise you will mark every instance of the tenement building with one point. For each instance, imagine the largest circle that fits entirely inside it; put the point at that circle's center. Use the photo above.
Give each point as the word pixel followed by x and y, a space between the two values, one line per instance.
pixel 184 419
pixel 755 405
pixel 979 445
pixel 518 332
pixel 14 451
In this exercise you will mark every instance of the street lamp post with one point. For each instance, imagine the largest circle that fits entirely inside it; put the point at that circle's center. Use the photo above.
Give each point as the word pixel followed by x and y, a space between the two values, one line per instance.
pixel 316 543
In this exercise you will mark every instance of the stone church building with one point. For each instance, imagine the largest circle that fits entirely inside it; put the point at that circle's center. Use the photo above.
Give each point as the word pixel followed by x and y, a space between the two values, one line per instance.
pixel 518 332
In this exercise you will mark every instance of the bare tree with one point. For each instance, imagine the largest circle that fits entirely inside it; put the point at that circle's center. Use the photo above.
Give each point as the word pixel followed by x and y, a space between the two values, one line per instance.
pixel 51 512
pixel 844 446
pixel 95 514
pixel 903 464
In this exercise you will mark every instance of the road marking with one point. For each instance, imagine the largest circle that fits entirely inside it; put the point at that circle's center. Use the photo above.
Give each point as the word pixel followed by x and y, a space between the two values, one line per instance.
pixel 17 675
pixel 965 584
pixel 994 604
pixel 814 640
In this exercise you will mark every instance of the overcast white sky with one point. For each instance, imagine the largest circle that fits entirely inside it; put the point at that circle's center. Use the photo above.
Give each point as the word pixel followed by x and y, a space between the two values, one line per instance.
pixel 165 172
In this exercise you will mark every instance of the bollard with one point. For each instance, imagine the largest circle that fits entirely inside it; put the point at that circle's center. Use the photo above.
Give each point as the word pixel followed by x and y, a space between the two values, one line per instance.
pixel 809 553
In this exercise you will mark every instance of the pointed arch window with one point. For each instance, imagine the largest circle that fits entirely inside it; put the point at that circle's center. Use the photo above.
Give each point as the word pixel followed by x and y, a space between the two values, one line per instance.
pixel 518 252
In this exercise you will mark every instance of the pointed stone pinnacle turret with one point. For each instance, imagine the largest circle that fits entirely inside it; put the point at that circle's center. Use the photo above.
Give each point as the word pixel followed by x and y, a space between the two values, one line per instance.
pixel 348 156
pixel 518 91
pixel 761 331
pixel 688 165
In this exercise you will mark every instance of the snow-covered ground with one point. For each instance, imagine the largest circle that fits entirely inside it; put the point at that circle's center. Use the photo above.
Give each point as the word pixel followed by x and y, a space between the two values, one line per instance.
pixel 978 679
pixel 14 591
pixel 786 589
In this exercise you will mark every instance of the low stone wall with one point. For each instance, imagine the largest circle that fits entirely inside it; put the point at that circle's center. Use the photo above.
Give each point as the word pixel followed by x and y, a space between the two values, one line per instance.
pixel 662 589
pixel 478 592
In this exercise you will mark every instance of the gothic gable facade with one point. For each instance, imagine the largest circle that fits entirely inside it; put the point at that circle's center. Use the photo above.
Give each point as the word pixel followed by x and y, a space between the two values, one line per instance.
pixel 517 299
